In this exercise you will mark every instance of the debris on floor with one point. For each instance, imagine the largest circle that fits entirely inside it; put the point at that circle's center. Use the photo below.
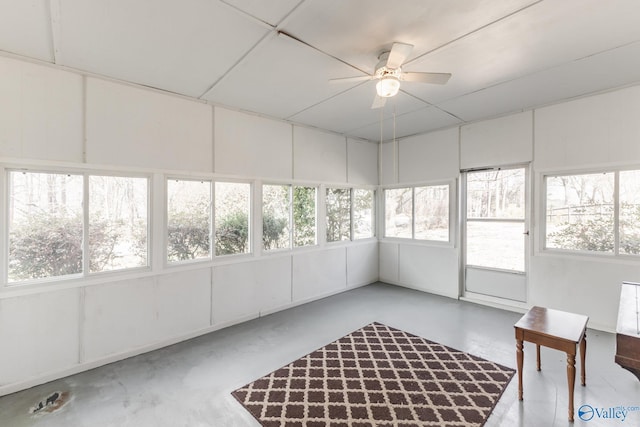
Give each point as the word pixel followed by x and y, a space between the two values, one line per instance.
pixel 51 403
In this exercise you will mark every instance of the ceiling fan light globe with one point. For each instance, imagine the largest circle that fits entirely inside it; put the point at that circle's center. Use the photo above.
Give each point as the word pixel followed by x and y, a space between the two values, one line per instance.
pixel 388 86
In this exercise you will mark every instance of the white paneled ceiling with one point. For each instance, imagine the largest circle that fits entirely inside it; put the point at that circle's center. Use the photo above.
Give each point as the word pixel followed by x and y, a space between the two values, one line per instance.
pixel 275 57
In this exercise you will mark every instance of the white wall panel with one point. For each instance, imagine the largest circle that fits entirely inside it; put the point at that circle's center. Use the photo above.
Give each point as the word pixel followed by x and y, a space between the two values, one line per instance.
pixel 119 317
pixel 490 282
pixel 183 302
pixel 388 163
pixel 362 160
pixel 38 334
pixel 586 286
pixel 430 269
pixel 428 157
pixel 503 141
pixel 247 289
pixel 40 112
pixel 127 126
pixel 25 29
pixel 388 262
pixel 362 264
pixel 236 293
pixel 590 131
pixel 274 281
pixel 319 156
pixel 319 273
pixel 252 146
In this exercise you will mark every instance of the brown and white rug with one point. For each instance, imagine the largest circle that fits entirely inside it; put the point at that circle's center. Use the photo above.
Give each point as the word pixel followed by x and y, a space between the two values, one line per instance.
pixel 378 376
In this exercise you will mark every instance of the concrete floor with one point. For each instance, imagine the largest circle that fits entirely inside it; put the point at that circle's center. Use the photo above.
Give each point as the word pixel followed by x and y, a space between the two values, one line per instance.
pixel 189 384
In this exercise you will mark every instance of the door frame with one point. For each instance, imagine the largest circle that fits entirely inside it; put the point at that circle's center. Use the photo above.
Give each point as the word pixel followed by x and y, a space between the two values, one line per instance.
pixel 489 271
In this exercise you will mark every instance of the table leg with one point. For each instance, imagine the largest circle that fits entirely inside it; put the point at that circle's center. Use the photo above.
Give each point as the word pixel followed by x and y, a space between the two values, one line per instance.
pixel 583 354
pixel 520 359
pixel 538 356
pixel 571 379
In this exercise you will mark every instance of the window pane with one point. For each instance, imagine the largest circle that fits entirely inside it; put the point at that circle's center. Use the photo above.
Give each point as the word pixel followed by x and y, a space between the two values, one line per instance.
pixel 496 245
pixel 275 217
pixel 496 194
pixel 398 212
pixel 188 220
pixel 338 204
pixel 630 212
pixel 432 212
pixel 232 205
pixel 363 213
pixel 117 222
pixel 304 216
pixel 580 212
pixel 45 225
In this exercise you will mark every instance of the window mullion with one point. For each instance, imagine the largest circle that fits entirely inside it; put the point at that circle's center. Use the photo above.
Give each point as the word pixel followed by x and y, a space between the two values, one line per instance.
pixel 86 262
pixel 616 213
pixel 413 212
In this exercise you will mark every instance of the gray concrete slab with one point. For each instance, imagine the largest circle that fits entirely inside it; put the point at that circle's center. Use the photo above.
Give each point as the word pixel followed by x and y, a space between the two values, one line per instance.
pixel 189 384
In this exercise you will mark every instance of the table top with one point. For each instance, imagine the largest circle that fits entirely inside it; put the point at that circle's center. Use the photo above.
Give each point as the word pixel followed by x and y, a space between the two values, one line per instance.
pixel 554 323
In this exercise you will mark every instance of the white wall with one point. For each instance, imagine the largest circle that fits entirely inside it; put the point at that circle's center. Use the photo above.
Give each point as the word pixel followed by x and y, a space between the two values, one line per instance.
pixel 41 114
pixel 594 132
pixel 423 159
pixel 128 126
pixel 503 141
pixel 50 118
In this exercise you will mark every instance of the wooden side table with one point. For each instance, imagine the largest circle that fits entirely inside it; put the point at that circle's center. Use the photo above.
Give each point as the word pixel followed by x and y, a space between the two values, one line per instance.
pixel 554 329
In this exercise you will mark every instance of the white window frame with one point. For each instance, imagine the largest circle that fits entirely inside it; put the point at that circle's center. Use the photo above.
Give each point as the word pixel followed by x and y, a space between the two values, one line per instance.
pixel 451 186
pixel 86 273
pixel 165 250
pixel 543 249
pixel 251 242
pixel 373 214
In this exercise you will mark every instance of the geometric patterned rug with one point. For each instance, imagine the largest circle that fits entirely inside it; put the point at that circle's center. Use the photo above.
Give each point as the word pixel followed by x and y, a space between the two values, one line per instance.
pixel 378 376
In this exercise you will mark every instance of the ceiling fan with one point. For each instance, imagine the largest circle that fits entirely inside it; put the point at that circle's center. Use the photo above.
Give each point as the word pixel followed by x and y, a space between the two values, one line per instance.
pixel 389 74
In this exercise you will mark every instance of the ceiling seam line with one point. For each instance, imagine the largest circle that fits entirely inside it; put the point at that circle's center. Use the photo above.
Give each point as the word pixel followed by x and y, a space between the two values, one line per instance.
pixel 542 70
pixel 248 15
pixel 272 29
pixel 286 34
pixel 482 27
pixel 238 62
pixel 324 100
pixel 54 26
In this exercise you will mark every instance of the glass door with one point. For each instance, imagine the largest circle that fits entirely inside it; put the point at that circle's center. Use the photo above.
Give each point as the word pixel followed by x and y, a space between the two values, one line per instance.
pixel 495 231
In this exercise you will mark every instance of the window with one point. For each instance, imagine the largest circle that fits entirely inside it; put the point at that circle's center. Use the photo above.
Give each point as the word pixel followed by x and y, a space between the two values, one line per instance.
pixel 275 217
pixel 432 213
pixel 363 208
pixel 188 220
pixel 45 225
pixel 338 206
pixel 232 207
pixel 117 222
pixel 495 219
pixel 420 213
pixel 304 216
pixel 629 212
pixel 398 212
pixel 584 213
pixel 580 212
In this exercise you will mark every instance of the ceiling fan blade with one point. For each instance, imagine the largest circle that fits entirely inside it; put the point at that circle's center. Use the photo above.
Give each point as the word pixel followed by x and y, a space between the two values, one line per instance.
pixel 433 78
pixel 350 79
pixel 399 53
pixel 378 102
